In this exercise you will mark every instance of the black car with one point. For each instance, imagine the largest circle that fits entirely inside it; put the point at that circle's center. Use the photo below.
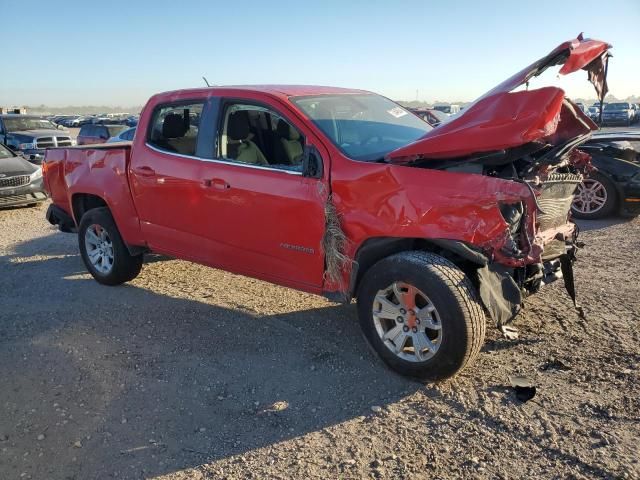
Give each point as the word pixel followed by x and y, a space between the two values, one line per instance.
pixel 614 186
pixel 20 181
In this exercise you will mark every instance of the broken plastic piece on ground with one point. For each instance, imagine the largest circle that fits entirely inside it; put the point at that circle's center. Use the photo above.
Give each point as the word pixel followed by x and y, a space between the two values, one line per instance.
pixel 554 364
pixel 510 333
pixel 523 386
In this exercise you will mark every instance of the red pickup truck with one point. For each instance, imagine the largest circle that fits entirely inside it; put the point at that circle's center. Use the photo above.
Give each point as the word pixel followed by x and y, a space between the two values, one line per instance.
pixel 345 193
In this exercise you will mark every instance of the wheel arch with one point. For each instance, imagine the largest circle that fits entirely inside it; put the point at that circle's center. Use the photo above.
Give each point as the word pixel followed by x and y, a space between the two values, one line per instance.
pixel 83 202
pixel 375 249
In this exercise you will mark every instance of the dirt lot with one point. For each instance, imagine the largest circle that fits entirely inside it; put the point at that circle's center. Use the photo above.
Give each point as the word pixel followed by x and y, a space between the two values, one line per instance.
pixel 189 372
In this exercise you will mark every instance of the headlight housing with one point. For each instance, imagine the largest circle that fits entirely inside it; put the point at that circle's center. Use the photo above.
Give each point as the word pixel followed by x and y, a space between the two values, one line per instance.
pixel 36 175
pixel 26 146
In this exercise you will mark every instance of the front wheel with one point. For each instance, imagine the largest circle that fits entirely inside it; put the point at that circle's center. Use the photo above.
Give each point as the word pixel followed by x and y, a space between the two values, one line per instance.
pixel 421 315
pixel 103 251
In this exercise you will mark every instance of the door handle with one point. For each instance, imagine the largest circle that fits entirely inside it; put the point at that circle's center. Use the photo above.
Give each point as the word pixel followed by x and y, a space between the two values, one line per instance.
pixel 217 183
pixel 145 171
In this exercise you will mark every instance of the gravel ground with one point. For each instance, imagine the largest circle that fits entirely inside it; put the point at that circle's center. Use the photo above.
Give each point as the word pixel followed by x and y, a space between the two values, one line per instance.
pixel 190 372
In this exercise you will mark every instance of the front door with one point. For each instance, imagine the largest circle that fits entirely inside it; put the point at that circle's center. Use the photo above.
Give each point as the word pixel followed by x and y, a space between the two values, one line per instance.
pixel 265 215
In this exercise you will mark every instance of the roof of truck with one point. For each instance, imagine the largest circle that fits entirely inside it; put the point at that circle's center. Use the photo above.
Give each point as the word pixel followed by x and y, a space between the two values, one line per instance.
pixel 278 90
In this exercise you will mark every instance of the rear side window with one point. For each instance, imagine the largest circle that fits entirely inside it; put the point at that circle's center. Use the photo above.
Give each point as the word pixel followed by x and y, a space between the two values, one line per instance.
pixel 128 135
pixel 174 127
pixel 86 131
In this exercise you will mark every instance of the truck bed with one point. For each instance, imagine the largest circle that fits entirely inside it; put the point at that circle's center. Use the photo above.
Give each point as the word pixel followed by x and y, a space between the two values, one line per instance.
pixel 93 170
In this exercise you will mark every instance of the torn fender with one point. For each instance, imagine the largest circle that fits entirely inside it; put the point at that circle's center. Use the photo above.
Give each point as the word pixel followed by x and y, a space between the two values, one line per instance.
pixel 405 202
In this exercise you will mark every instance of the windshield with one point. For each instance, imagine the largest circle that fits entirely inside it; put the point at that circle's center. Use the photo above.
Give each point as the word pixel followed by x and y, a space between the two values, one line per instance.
pixel 17 123
pixel 363 126
pixel 5 152
pixel 616 106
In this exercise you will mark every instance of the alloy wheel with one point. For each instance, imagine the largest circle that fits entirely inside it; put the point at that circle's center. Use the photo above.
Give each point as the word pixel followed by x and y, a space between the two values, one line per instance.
pixel 590 197
pixel 99 248
pixel 407 322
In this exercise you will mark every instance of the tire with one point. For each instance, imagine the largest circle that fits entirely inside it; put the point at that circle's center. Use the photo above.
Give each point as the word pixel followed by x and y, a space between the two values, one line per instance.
pixel 599 185
pixel 118 266
pixel 456 310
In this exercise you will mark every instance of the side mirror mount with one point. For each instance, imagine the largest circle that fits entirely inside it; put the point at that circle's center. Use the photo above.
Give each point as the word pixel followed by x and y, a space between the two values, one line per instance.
pixel 312 165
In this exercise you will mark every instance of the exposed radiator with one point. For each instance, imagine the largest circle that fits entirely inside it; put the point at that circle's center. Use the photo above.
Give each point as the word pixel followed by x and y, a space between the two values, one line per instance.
pixel 556 198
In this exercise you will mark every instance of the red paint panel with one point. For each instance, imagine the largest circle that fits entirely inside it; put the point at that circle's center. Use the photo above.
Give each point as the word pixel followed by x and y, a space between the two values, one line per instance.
pixel 101 172
pixel 583 52
pixel 502 121
pixel 579 52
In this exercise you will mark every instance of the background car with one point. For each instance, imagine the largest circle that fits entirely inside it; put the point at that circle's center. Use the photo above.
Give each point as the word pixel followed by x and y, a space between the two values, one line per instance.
pixel 32 135
pixel 614 187
pixel 618 113
pixel 124 136
pixel 448 109
pixel 20 181
pixel 132 120
pixel 431 116
pixel 593 113
pixel 91 134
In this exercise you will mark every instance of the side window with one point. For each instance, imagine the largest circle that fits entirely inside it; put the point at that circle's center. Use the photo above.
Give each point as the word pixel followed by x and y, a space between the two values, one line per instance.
pixel 255 135
pixel 128 135
pixel 86 131
pixel 174 127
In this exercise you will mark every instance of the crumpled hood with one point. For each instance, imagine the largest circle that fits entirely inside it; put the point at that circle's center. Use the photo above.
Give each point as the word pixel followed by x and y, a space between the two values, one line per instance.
pixel 502 119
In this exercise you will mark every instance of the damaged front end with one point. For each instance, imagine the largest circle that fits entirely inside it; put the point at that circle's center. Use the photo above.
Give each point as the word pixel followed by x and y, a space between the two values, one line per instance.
pixel 529 138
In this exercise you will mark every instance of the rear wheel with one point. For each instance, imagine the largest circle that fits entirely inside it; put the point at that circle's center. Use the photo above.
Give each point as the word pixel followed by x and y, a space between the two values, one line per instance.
pixel 421 315
pixel 595 198
pixel 104 253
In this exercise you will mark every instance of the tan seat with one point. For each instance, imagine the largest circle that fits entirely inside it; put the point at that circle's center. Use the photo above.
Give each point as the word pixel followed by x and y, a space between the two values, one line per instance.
pixel 177 135
pixel 239 145
pixel 290 142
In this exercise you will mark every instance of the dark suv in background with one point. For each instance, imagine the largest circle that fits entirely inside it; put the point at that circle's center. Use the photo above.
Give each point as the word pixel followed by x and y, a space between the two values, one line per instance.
pixel 619 113
pixel 31 135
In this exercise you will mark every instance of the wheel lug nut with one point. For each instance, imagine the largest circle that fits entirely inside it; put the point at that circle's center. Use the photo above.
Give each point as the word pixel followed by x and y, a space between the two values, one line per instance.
pixel 403 311
pixel 414 330
pixel 418 321
pixel 400 319
pixel 405 329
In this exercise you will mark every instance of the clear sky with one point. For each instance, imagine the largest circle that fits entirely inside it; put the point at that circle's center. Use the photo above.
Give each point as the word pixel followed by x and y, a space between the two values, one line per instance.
pixel 114 52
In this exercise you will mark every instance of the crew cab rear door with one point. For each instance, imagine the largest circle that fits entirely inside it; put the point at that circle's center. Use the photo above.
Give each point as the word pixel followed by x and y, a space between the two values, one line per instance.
pixel 165 175
pixel 265 215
